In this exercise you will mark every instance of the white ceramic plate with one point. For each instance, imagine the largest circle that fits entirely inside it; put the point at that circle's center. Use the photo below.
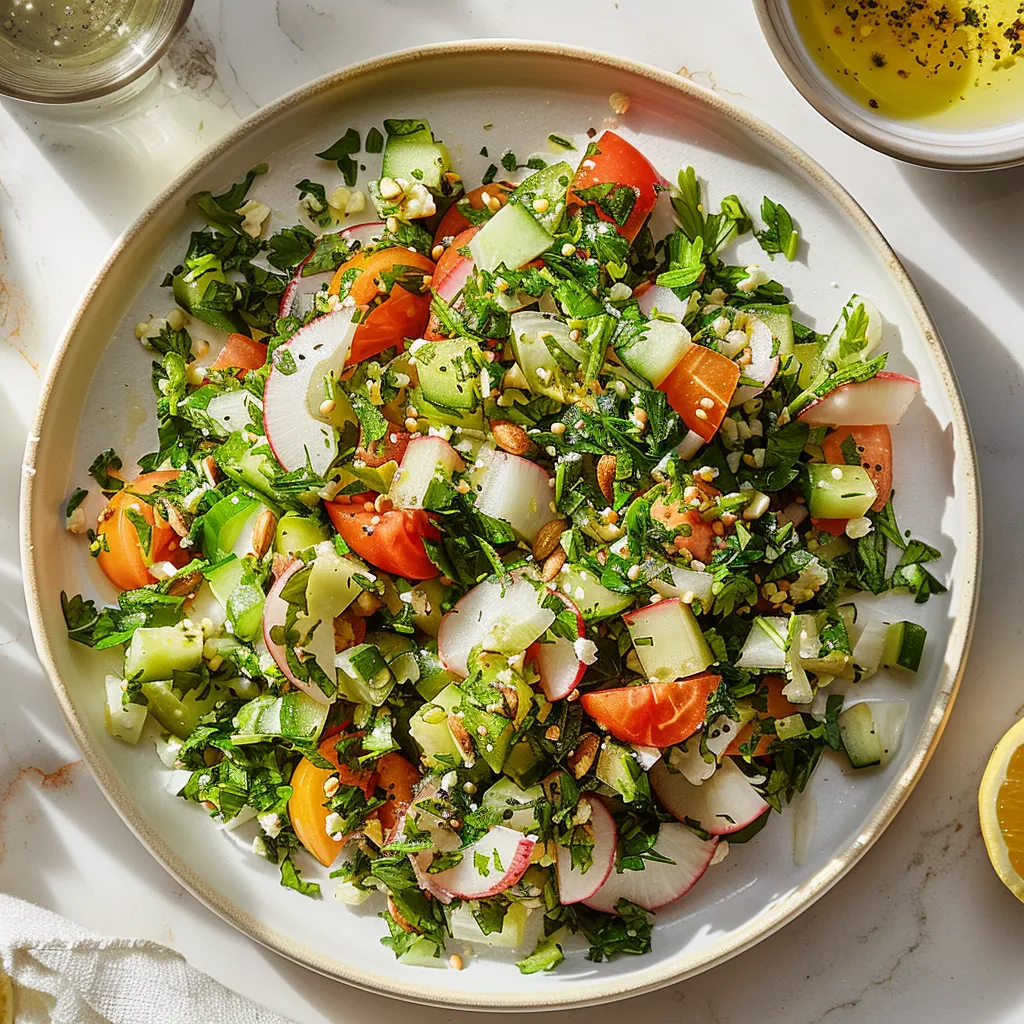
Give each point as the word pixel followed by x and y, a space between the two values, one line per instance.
pixel 98 394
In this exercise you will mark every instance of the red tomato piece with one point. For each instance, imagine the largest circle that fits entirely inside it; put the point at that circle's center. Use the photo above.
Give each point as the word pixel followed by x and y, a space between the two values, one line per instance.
pixel 124 562
pixel 389 318
pixel 242 353
pixel 385 450
pixel 778 707
pixel 700 378
pixel 653 714
pixel 837 527
pixel 619 162
pixel 874 449
pixel 454 222
pixel 393 543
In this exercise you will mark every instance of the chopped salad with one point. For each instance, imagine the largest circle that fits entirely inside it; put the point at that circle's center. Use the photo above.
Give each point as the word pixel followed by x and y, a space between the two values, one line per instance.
pixel 499 558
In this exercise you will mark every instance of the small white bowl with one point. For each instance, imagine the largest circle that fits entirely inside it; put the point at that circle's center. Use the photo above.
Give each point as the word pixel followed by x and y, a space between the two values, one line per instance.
pixel 946 148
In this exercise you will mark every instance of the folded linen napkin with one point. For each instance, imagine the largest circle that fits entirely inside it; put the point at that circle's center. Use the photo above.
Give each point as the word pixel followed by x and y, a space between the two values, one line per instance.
pixel 63 974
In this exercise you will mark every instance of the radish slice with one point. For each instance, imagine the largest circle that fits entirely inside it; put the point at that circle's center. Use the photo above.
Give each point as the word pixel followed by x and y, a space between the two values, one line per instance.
pixel 684 581
pixel 574 885
pixel 664 300
pixel 506 616
pixel 298 294
pixel 690 445
pixel 794 513
pixel 558 661
pixel 516 490
pixel 275 610
pixel 488 866
pixel 881 400
pixel 659 883
pixel 425 459
pixel 762 366
pixel 722 804
pixel 295 391
pixel 442 839
pixel 455 280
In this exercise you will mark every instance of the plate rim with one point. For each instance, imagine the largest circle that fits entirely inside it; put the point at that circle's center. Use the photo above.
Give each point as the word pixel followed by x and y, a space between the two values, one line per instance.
pixel 644 979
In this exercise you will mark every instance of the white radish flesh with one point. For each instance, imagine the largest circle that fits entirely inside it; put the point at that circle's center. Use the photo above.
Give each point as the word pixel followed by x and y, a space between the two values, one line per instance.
pixel 516 490
pixel 488 866
pixel 664 300
pixel 295 393
pixel 881 400
pixel 575 885
pixel 722 804
pixel 763 364
pixel 659 883
pixel 505 616
pixel 766 643
pixel 685 581
pixel 558 660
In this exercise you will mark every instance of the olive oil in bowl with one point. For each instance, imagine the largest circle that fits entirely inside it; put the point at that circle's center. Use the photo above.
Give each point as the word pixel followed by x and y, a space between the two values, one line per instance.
pixel 948 64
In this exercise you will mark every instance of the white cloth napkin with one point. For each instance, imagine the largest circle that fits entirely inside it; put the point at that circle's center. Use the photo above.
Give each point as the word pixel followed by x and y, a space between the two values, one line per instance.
pixel 64 974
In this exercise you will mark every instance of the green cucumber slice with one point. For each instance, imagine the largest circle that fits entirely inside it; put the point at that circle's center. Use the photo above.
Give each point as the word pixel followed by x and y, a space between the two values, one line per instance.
pixel 904 645
pixel 779 320
pixel 236 587
pixel 512 237
pixel 411 152
pixel 655 354
pixel 157 652
pixel 449 373
pixel 292 716
pixel 838 492
pixel 549 185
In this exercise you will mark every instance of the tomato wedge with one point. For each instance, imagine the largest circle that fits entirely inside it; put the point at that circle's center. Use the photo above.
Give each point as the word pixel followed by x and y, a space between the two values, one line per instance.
pixel 306 806
pixel 392 541
pixel 124 562
pixel 700 541
pixel 242 353
pixel 778 707
pixel 398 777
pixel 874 449
pixel 391 318
pixel 618 162
pixel 385 450
pixel 700 388
pixel 454 221
pixel 653 714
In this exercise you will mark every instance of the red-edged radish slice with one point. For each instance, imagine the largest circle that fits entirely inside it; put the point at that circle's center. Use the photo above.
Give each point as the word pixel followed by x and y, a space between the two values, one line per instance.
pixel 454 281
pixel 443 841
pixel 297 296
pixel 488 866
pixel 881 400
pixel 275 611
pixel 559 663
pixel 664 300
pixel 295 392
pixel 505 616
pixel 762 366
pixel 659 883
pixel 574 885
pixel 722 804
pixel 516 490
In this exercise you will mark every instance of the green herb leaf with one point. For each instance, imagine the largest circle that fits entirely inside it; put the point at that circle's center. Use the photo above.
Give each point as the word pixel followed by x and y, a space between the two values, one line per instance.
pixel 341 152
pixel 779 235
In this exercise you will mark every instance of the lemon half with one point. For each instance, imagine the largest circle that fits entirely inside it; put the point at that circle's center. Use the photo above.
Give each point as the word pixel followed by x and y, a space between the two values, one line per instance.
pixel 1001 806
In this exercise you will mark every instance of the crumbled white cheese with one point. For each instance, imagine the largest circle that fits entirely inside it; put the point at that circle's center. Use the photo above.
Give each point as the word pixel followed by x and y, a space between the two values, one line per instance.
pixel 253 214
pixel 586 650
pixel 76 521
pixel 859 527
pixel 271 824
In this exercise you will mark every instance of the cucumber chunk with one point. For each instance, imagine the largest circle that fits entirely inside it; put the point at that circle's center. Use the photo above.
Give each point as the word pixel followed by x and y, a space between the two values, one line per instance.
pixel 123 721
pixel 293 716
pixel 904 645
pixel 510 798
pixel 594 600
pixel 411 152
pixel 524 765
pixel 779 320
pixel 227 527
pixel 465 928
pixel 619 770
pixel 363 675
pixel 808 354
pixel 871 731
pixel 547 186
pixel 449 373
pixel 297 532
pixel 512 237
pixel 838 492
pixel 545 353
pixel 655 354
pixel 429 728
pixel 235 586
pixel 157 652
pixel 179 714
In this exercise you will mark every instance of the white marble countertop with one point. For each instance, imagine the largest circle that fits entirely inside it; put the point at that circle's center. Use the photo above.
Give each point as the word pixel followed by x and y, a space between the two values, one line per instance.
pixel 921 929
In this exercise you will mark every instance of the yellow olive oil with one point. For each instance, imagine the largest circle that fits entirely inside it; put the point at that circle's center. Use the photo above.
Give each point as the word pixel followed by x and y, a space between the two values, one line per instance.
pixel 955 63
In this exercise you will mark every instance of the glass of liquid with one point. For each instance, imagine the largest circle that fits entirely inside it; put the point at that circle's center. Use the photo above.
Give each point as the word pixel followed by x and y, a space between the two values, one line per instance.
pixel 63 51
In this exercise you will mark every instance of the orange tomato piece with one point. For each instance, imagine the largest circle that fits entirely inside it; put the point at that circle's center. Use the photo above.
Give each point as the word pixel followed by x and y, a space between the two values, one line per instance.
pixel 398 777
pixel 653 714
pixel 242 353
pixel 701 377
pixel 306 806
pixel 700 541
pixel 124 562
pixel 778 707
pixel 874 448
pixel 399 315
